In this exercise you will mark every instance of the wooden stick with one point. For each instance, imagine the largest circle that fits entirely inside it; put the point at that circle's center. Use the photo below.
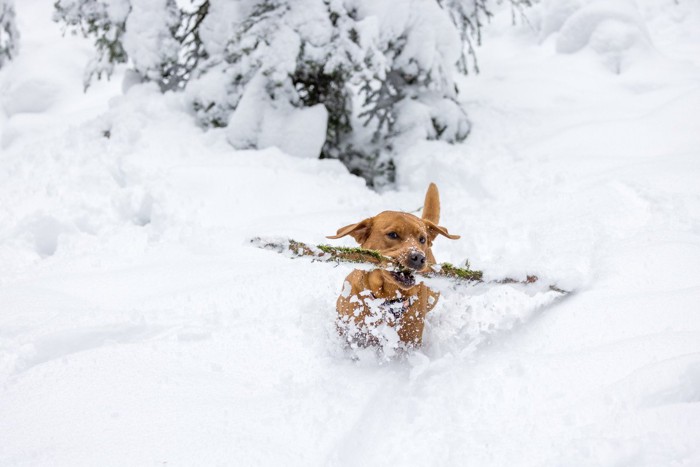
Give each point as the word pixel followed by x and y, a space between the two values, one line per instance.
pixel 341 254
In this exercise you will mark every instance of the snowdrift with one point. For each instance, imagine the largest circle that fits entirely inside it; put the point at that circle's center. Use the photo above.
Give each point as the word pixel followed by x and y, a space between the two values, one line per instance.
pixel 138 326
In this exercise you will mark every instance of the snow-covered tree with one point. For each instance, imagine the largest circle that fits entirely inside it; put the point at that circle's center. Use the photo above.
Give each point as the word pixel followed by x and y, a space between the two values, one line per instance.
pixel 9 36
pixel 143 31
pixel 470 16
pixel 105 21
pixel 354 80
pixel 299 54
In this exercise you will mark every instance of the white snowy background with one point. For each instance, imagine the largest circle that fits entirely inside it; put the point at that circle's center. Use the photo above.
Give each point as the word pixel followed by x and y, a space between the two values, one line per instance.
pixel 138 326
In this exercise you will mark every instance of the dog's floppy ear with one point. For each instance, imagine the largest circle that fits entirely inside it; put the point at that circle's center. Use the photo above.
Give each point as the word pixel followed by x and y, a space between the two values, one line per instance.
pixel 434 230
pixel 360 231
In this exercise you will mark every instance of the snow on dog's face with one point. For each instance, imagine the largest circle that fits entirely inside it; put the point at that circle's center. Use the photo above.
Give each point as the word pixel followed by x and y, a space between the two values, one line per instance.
pixel 398 235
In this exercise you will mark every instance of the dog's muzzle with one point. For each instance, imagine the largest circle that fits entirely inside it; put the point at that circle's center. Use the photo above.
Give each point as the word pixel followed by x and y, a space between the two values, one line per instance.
pixel 415 260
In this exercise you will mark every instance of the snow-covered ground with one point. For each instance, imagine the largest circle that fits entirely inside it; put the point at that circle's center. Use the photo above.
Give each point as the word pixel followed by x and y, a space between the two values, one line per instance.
pixel 139 327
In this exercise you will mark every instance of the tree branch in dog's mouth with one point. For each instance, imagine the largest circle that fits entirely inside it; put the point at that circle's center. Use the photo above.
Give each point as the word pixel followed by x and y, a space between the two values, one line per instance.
pixel 329 253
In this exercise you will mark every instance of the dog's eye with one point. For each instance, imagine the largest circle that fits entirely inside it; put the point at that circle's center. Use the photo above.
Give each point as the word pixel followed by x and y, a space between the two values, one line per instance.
pixel 393 235
pixel 422 239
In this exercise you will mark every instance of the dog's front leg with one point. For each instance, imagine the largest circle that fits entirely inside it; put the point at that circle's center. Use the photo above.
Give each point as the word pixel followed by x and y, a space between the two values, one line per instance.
pixel 423 299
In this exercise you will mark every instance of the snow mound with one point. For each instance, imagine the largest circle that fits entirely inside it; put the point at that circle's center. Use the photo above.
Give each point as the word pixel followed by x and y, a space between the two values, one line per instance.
pixel 613 30
pixel 260 122
pixel 470 318
pixel 32 95
pixel 28 87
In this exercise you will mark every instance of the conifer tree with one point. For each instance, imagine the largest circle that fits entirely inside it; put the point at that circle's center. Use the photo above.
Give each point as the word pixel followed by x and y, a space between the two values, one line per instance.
pixel 9 36
pixel 385 71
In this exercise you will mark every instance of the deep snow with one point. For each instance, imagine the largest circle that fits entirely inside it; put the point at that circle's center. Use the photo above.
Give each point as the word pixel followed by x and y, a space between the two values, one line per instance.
pixel 138 326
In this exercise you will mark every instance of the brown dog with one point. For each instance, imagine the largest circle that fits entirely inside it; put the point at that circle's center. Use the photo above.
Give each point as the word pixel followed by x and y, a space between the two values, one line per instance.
pixel 387 308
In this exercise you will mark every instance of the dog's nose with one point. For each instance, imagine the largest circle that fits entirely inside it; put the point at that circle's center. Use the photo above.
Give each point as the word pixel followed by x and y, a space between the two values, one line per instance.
pixel 416 260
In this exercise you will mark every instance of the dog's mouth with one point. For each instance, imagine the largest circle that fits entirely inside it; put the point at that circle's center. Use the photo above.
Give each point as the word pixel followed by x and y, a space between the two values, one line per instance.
pixel 404 277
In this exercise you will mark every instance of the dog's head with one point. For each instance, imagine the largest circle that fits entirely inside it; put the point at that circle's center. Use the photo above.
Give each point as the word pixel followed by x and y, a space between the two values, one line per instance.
pixel 398 235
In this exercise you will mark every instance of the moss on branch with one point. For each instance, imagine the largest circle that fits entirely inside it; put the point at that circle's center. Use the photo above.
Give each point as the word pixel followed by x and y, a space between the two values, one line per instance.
pixel 341 254
pixel 447 269
pixel 358 255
